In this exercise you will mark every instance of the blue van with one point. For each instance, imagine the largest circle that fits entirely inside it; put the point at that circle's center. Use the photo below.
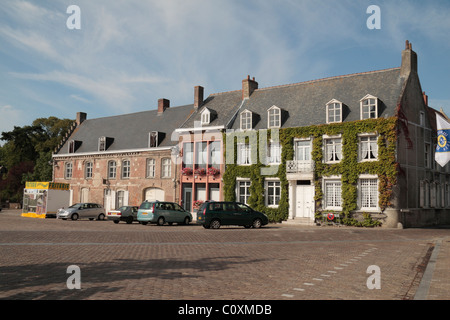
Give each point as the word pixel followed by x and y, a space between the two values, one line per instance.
pixel 162 212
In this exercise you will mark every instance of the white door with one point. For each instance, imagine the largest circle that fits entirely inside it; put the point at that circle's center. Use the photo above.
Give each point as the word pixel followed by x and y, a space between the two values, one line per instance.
pixel 305 202
pixel 153 194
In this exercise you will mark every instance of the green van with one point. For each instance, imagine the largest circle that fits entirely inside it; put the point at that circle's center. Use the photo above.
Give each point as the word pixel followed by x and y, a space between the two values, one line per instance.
pixel 162 212
pixel 215 214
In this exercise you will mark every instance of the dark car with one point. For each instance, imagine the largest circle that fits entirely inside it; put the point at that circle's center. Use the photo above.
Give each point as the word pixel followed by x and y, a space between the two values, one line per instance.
pixel 215 214
pixel 125 213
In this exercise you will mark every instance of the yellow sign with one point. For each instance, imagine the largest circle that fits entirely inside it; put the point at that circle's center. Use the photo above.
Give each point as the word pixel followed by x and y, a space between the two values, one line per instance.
pixel 47 185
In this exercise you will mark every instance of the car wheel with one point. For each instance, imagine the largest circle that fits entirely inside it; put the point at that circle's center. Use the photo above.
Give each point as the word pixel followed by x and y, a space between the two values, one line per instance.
pixel 186 221
pixel 160 221
pixel 101 216
pixel 116 221
pixel 74 216
pixel 129 219
pixel 215 224
pixel 257 223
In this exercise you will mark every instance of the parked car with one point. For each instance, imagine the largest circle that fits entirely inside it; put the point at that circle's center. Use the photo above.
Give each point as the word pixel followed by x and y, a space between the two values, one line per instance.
pixel 215 214
pixel 82 210
pixel 125 213
pixel 162 212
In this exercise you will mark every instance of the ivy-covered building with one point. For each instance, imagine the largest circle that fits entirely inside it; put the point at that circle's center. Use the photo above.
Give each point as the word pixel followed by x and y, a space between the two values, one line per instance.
pixel 360 145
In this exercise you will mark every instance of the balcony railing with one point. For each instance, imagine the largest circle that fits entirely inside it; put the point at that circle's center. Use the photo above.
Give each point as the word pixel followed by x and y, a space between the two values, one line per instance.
pixel 294 166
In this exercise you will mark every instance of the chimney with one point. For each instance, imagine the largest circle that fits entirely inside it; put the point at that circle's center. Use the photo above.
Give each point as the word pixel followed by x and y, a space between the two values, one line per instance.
pixel 198 97
pixel 425 98
pixel 248 86
pixel 81 116
pixel 409 60
pixel 163 104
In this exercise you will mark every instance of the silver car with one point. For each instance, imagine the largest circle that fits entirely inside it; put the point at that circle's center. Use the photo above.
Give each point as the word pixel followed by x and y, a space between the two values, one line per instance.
pixel 82 210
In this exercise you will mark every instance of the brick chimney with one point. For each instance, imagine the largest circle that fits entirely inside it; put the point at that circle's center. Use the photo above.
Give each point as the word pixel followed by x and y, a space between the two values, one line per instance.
pixel 409 60
pixel 81 116
pixel 198 97
pixel 163 104
pixel 425 98
pixel 248 86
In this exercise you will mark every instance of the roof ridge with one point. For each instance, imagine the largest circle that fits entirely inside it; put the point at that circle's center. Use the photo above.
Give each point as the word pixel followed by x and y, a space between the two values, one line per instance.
pixel 327 78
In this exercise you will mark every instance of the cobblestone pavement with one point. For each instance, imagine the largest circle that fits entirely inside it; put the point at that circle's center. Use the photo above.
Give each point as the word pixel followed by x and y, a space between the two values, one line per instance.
pixel 276 262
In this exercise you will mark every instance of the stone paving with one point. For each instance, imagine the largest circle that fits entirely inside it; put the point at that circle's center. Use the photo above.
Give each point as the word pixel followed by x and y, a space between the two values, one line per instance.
pixel 276 262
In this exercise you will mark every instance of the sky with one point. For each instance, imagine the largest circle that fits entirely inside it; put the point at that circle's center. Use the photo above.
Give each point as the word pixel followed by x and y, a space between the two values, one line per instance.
pixel 127 54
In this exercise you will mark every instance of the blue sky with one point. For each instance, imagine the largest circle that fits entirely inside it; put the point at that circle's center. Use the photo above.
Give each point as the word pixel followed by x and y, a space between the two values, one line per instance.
pixel 130 53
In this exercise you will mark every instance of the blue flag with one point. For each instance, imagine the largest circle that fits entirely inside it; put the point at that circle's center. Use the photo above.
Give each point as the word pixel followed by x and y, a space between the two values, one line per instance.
pixel 442 155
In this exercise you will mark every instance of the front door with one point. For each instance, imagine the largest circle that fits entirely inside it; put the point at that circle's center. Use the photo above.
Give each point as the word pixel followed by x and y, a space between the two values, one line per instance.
pixel 305 201
pixel 187 198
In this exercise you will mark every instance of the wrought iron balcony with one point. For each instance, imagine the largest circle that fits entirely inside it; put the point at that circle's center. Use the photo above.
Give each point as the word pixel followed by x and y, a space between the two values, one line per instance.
pixel 294 166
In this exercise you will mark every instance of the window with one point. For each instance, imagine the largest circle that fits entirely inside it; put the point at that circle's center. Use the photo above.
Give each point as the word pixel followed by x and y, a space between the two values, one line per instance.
pixel 243 190
pixel 303 150
pixel 333 150
pixel 201 155
pixel 427 155
pixel 274 153
pixel 333 195
pixel 369 107
pixel 422 118
pixel 334 111
pixel 246 120
pixel 244 156
pixel 368 193
pixel 205 117
pixel 151 168
pixel 188 155
pixel 102 144
pixel 166 168
pixel 112 169
pixel 68 170
pixel 214 154
pixel 368 148
pixel 120 199
pixel 153 139
pixel 72 146
pixel 126 169
pixel 274 117
pixel 88 170
pixel 273 193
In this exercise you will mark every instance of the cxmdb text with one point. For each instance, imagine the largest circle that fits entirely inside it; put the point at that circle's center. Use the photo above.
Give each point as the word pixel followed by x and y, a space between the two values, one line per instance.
pixel 228 309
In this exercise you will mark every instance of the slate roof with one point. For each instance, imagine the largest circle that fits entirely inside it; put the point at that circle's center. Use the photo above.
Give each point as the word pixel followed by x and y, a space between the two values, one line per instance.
pixel 130 131
pixel 304 103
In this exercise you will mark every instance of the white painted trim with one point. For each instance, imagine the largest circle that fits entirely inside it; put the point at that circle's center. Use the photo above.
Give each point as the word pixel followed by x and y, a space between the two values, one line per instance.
pixel 110 152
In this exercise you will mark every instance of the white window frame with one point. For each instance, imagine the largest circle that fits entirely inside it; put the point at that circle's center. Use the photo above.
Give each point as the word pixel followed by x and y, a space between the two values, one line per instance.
pixel 332 201
pixel 371 147
pixel 274 115
pixel 307 147
pixel 373 198
pixel 205 116
pixel 166 168
pixel 247 184
pixel 244 154
pixel 368 99
pixel 102 144
pixel 274 152
pixel 88 169
pixel 126 169
pixel 335 148
pixel 272 184
pixel 151 167
pixel 336 106
pixel 112 169
pixel 246 120
pixel 68 170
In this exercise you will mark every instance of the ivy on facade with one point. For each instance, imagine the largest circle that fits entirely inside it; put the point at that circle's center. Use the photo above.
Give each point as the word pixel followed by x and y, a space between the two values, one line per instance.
pixel 349 168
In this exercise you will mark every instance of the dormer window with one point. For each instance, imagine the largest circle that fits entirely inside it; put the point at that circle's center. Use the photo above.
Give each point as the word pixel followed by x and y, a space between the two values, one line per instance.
pixel 206 116
pixel 334 111
pixel 153 139
pixel 274 117
pixel 246 120
pixel 102 144
pixel 369 107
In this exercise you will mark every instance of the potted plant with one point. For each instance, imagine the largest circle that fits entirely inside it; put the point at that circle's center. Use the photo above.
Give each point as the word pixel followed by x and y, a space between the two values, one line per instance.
pixel 200 171
pixel 213 171
pixel 186 171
